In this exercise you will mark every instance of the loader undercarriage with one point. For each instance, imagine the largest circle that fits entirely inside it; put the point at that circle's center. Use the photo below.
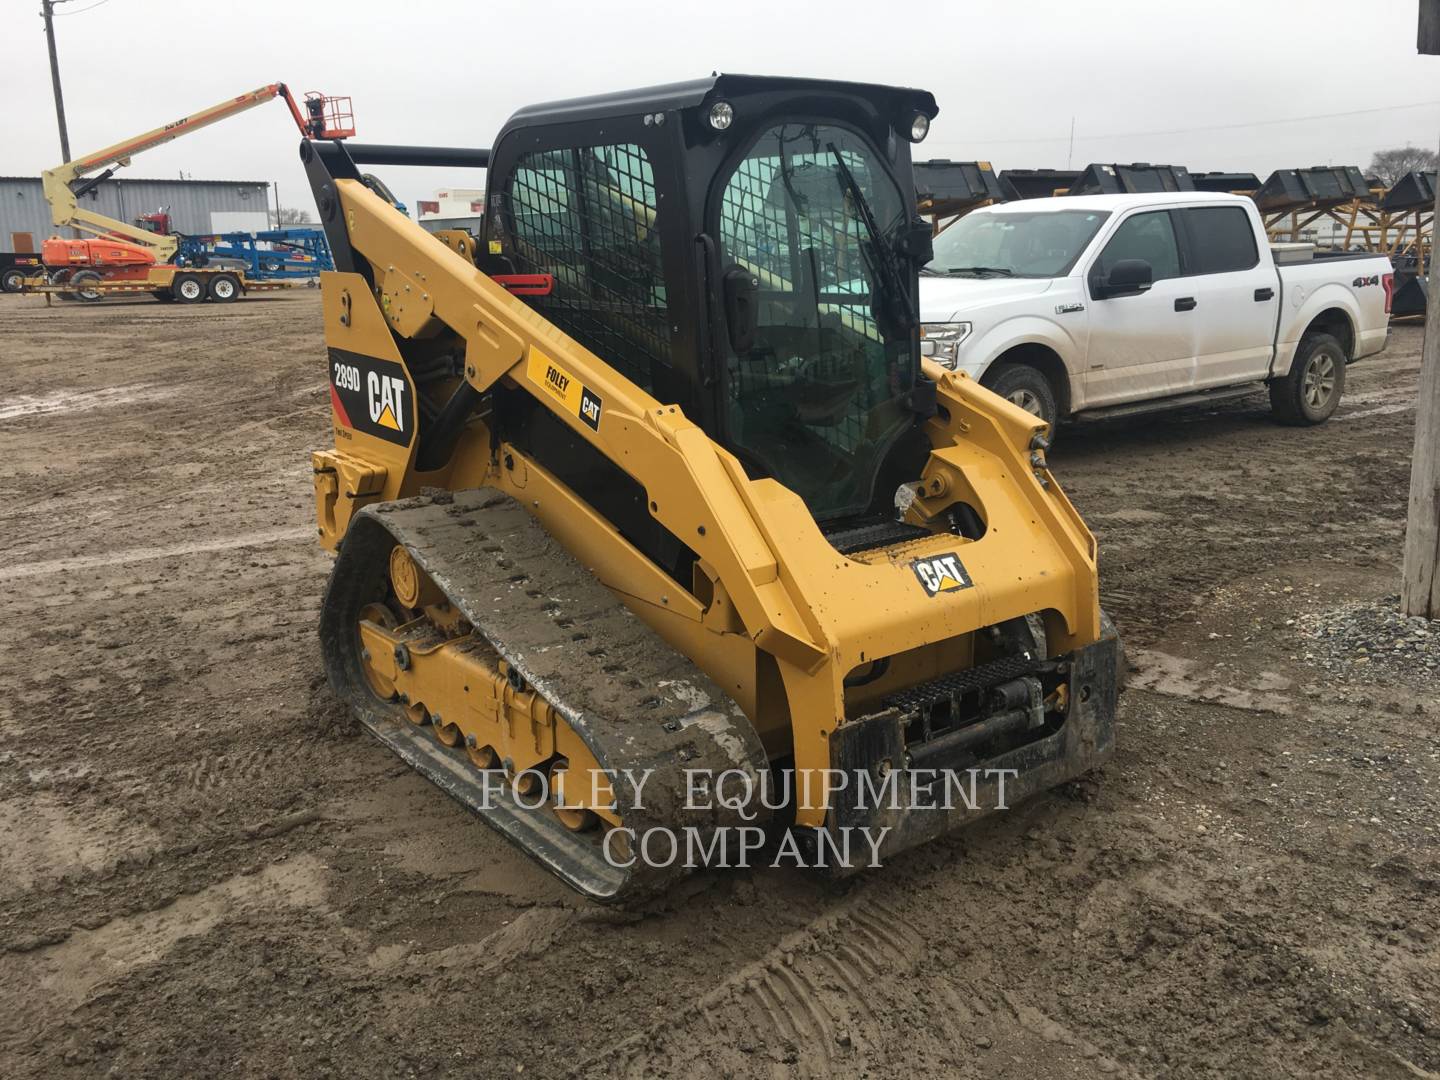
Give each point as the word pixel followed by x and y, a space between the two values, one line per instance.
pixel 469 642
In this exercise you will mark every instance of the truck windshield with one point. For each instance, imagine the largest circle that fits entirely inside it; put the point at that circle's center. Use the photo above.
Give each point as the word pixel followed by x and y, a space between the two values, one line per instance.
pixel 814 400
pixel 1015 243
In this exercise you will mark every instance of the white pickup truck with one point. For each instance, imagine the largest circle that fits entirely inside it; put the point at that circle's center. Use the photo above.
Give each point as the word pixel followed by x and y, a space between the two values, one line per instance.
pixel 1103 305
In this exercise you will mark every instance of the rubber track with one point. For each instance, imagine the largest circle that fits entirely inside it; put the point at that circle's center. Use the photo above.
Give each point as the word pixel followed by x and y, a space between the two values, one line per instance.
pixel 636 702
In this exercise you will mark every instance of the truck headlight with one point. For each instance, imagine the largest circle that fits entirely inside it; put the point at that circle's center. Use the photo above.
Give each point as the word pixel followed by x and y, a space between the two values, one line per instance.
pixel 941 341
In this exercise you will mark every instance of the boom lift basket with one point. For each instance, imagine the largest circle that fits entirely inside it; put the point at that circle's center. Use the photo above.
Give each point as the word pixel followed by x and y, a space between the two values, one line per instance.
pixel 329 117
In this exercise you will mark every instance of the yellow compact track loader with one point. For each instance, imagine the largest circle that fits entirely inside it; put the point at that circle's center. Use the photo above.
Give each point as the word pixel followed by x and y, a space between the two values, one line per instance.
pixel 644 496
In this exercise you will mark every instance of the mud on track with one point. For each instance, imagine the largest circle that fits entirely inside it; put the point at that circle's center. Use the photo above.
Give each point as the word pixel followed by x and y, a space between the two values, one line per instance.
pixel 205 871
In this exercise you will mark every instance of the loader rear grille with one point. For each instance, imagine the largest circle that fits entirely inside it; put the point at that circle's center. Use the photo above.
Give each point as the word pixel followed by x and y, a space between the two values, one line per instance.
pixel 963 682
pixel 587 215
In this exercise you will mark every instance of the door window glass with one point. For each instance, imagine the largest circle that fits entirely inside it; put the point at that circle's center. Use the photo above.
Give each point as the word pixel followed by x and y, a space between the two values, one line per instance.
pixel 1222 240
pixel 815 400
pixel 1144 236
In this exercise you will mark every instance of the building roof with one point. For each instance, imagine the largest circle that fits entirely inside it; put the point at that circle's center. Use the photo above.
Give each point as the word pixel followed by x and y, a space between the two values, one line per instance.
pixel 152 180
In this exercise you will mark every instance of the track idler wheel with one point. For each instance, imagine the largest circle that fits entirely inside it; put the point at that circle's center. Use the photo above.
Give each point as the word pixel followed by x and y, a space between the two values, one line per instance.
pixel 381 684
pixel 413 587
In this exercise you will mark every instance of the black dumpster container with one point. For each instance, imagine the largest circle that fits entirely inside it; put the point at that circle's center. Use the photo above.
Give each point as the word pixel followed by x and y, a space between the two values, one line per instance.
pixel 1240 182
pixel 1413 191
pixel 954 185
pixel 1035 183
pixel 1317 188
pixel 1141 177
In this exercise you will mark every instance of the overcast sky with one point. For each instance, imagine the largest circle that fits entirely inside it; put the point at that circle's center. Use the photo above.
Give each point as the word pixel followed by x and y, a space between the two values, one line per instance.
pixel 1172 81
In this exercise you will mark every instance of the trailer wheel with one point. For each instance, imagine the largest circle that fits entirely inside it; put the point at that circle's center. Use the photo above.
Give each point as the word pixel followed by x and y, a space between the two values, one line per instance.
pixel 1311 392
pixel 12 280
pixel 188 288
pixel 80 283
pixel 224 288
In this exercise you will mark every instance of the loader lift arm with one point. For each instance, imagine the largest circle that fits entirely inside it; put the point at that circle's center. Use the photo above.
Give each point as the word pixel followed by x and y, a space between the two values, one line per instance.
pixel 318 117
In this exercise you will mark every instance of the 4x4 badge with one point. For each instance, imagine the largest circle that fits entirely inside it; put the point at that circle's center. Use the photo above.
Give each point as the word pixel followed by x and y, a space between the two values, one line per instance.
pixel 941 573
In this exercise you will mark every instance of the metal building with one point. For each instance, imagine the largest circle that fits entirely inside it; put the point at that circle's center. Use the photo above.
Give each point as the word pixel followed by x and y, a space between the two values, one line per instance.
pixel 195 206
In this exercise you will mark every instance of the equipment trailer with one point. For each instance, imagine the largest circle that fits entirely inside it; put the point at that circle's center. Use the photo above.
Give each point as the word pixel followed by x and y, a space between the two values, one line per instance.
pixel 123 257
pixel 167 283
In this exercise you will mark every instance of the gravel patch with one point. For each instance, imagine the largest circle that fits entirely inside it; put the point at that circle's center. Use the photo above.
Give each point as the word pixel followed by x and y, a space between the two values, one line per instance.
pixel 1370 639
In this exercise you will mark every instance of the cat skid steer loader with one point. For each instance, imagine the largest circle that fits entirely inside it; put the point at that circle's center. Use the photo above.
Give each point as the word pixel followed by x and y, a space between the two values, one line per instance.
pixel 645 493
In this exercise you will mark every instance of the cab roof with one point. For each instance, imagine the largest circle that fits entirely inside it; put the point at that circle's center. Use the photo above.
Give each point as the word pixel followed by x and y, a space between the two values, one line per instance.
pixel 685 95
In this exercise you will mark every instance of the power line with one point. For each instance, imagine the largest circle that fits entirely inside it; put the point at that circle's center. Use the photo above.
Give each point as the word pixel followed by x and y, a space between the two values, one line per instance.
pixel 1214 127
pixel 81 11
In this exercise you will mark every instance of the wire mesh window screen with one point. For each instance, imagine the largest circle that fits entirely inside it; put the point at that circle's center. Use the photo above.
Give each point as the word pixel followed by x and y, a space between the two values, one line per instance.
pixel 815 397
pixel 587 215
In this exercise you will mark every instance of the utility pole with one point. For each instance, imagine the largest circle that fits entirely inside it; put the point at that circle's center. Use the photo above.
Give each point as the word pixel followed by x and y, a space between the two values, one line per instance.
pixel 1420 591
pixel 47 10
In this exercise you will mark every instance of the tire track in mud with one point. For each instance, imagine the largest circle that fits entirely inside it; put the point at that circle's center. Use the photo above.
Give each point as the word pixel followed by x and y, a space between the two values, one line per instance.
pixel 808 1004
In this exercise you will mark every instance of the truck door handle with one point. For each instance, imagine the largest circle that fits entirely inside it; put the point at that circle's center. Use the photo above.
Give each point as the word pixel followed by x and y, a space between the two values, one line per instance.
pixel 1261 295
pixel 1185 303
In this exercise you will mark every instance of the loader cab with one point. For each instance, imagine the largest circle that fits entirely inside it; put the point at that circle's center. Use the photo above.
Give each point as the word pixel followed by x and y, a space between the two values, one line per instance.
pixel 746 248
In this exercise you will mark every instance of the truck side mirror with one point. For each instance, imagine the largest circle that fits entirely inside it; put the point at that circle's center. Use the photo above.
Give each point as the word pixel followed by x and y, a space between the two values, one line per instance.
pixel 742 308
pixel 1128 277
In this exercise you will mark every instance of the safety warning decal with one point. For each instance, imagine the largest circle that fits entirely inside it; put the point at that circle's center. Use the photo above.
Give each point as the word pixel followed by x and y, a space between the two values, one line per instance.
pixel 372 396
pixel 941 574
pixel 578 399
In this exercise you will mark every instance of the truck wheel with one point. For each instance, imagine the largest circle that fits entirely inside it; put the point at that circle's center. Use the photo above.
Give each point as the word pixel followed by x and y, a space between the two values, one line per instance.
pixel 224 288
pixel 1023 385
pixel 13 280
pixel 188 288
pixel 1311 392
pixel 80 282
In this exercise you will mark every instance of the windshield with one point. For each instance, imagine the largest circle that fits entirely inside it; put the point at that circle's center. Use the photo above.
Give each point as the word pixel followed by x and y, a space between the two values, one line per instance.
pixel 1015 243
pixel 814 400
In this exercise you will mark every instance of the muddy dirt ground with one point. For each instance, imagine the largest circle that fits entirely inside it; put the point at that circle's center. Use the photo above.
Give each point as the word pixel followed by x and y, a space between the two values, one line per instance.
pixel 204 871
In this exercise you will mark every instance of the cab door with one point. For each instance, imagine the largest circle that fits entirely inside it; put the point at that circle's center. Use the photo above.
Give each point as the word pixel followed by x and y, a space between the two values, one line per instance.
pixel 1237 296
pixel 1142 343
